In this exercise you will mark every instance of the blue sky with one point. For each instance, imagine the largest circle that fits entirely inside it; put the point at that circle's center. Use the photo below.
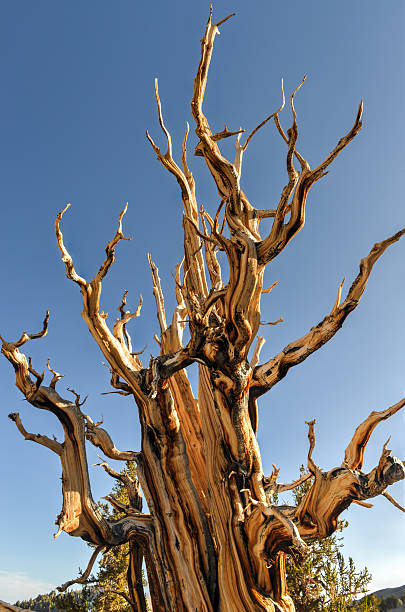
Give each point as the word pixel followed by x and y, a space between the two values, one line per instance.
pixel 77 97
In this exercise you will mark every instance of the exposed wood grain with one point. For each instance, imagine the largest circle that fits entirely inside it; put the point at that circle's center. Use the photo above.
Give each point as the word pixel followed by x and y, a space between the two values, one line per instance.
pixel 213 538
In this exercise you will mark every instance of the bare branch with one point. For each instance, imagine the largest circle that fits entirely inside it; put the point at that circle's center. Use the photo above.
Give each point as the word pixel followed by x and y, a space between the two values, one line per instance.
pixel 186 169
pixel 225 134
pixel 224 19
pixel 81 579
pixel 39 376
pixel 343 142
pixel 119 330
pixel 223 171
pixel 122 387
pixel 336 489
pixel 302 161
pixel 338 298
pixel 77 396
pixel 53 445
pixel 200 234
pixel 66 257
pixel 158 293
pixel 256 353
pixel 186 183
pixel 258 127
pixel 268 374
pixel 100 437
pixel 264 213
pixel 80 516
pixel 281 232
pixel 292 485
pixel 110 247
pixel 364 504
pixel 355 451
pixel 56 375
pixel 116 353
pixel 270 288
pixel 280 320
pixel 25 337
pixel 393 501
pixel 162 125
pixel 314 470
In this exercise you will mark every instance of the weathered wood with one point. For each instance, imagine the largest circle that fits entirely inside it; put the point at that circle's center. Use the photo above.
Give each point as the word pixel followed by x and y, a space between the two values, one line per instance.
pixel 213 538
pixel 6 607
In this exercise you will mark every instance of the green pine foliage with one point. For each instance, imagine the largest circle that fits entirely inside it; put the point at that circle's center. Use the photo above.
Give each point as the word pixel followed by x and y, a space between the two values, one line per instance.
pixel 112 574
pixel 72 601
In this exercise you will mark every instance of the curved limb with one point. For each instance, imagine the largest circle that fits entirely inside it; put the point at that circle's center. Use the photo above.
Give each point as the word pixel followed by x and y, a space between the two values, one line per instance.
pixel 268 374
pixel 355 451
pixel 53 445
pixel 194 261
pixel 116 353
pixel 122 362
pixel 393 501
pixel 131 485
pixel 101 439
pixel 80 516
pixel 281 233
pixel 84 576
pixel 120 326
pixel 270 532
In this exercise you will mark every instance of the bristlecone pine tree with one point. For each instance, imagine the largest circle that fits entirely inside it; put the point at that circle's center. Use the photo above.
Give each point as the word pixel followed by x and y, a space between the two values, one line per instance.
pixel 212 539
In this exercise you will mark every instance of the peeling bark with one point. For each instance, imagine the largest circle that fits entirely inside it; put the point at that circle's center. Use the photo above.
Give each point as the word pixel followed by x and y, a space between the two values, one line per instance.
pixel 213 539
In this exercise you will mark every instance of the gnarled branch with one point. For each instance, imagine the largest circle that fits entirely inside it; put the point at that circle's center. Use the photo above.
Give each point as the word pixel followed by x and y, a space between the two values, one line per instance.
pixel 355 451
pixel 53 445
pixel 270 373
pixel 281 232
pixel 84 576
pixel 101 439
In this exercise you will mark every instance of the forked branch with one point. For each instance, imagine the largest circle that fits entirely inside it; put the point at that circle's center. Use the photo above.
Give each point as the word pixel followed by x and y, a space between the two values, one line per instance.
pixel 194 260
pixel 335 490
pixel 80 516
pixel 101 439
pixel 355 451
pixel 298 187
pixel 268 374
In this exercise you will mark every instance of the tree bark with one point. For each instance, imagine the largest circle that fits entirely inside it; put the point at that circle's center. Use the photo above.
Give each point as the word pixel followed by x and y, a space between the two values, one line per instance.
pixel 213 538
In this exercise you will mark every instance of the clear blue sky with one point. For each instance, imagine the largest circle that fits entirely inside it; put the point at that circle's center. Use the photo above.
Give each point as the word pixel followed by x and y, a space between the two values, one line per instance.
pixel 77 96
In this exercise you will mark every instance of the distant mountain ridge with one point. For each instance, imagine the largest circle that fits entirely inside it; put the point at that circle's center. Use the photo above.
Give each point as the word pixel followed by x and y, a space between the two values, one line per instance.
pixel 397 591
pixel 390 598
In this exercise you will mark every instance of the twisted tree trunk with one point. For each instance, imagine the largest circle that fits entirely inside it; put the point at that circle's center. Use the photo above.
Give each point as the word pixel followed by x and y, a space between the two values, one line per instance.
pixel 213 538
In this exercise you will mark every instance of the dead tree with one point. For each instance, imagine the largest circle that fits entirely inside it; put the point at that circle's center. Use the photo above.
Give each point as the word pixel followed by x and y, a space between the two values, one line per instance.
pixel 212 539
